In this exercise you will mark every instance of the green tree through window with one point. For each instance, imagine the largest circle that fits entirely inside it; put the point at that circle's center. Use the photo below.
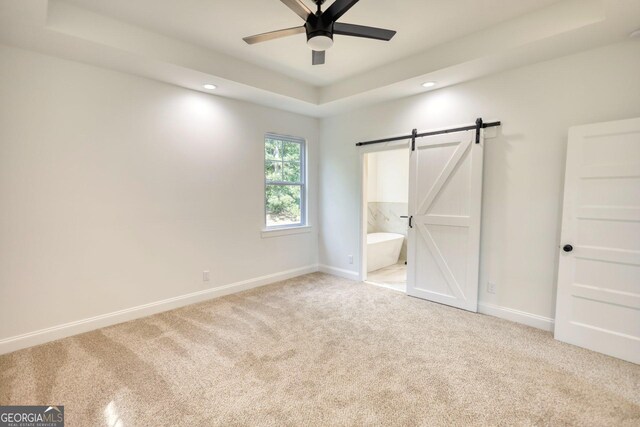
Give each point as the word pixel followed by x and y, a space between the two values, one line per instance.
pixel 284 163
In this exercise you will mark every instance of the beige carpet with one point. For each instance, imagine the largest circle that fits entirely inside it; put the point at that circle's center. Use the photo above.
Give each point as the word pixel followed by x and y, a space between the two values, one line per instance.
pixel 318 350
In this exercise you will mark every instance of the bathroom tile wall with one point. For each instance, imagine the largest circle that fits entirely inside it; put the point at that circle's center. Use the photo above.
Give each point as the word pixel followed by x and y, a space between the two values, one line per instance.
pixel 384 217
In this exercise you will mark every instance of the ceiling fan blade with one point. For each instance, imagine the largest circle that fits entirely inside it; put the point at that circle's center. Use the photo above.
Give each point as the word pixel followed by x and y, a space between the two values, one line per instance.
pixel 298 7
pixel 274 35
pixel 337 9
pixel 363 31
pixel 317 57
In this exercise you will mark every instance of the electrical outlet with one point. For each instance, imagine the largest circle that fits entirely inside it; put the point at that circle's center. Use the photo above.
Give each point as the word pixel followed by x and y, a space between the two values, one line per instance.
pixel 205 276
pixel 350 259
pixel 491 287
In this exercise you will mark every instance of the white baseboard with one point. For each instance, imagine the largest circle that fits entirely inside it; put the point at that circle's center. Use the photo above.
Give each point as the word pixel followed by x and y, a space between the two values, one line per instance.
pixel 41 336
pixel 533 320
pixel 340 272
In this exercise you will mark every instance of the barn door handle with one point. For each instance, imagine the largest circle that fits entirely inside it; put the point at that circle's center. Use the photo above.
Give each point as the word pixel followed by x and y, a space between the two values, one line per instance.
pixel 410 218
pixel 567 248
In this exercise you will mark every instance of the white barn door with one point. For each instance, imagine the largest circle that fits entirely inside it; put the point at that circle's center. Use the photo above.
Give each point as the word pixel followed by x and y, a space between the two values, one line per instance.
pixel 445 197
pixel 598 298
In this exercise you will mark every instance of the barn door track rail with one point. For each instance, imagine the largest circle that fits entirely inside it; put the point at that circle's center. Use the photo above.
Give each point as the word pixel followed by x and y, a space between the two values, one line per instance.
pixel 414 134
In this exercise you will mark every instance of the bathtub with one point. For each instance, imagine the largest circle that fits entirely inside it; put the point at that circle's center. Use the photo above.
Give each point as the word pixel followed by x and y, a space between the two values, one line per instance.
pixel 383 250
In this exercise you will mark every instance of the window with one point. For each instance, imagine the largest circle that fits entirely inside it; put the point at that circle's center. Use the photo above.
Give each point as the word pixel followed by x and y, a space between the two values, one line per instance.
pixel 284 177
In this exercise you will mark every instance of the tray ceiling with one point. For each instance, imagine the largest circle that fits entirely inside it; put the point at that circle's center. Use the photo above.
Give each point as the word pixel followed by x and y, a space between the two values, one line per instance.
pixel 192 42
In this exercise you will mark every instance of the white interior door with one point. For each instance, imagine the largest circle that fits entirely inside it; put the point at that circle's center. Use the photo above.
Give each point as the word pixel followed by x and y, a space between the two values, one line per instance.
pixel 445 197
pixel 598 300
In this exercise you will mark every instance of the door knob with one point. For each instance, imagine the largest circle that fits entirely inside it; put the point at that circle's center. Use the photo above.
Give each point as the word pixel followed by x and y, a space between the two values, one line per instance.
pixel 567 248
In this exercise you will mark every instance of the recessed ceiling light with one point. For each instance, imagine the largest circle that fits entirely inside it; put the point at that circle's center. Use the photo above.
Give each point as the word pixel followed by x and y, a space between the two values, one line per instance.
pixel 209 86
pixel 429 84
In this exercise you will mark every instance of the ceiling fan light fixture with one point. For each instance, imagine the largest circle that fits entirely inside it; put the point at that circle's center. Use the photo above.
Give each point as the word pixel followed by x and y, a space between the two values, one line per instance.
pixel 320 42
pixel 320 26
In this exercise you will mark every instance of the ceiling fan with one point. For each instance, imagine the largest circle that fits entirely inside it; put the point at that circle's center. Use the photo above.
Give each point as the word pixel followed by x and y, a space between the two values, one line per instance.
pixel 321 26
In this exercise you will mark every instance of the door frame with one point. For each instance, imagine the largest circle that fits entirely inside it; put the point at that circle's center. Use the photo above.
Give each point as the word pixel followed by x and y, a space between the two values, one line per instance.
pixel 487 133
pixel 363 212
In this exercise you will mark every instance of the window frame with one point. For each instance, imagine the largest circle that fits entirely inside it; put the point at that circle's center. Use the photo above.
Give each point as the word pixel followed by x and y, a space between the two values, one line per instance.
pixel 302 184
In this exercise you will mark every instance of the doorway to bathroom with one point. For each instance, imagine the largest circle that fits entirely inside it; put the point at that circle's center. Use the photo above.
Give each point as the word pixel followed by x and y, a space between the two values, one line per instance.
pixel 385 217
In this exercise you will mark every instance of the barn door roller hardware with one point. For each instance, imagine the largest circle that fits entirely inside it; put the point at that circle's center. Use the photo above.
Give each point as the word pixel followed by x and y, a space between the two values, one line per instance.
pixel 478 127
pixel 414 135
pixel 480 124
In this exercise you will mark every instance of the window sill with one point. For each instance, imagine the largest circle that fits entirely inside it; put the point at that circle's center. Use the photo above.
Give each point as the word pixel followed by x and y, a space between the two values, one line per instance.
pixel 285 231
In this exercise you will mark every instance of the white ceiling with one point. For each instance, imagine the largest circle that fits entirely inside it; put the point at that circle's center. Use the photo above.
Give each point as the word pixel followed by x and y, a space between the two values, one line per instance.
pixel 192 42
pixel 220 25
